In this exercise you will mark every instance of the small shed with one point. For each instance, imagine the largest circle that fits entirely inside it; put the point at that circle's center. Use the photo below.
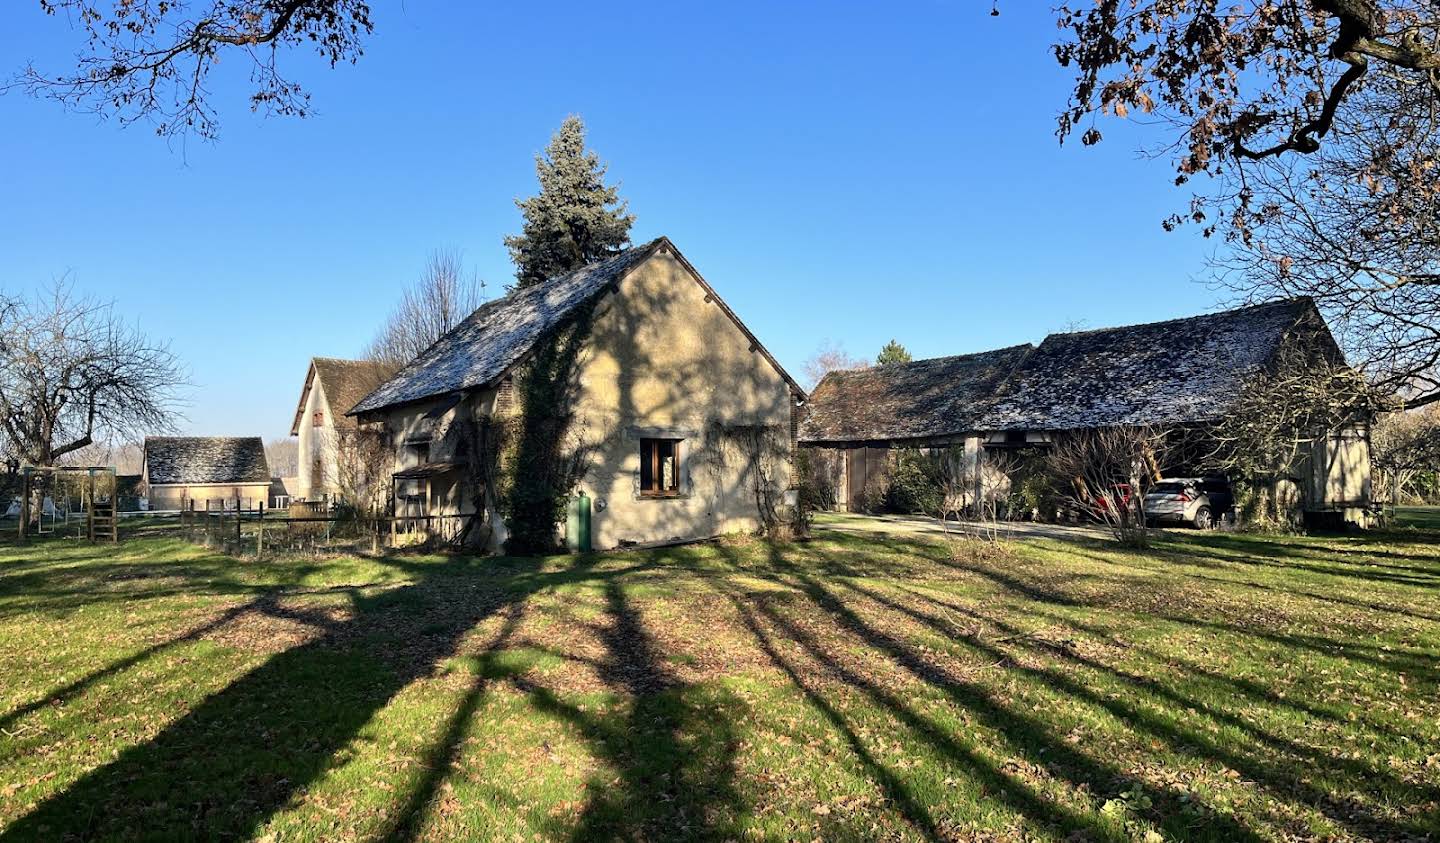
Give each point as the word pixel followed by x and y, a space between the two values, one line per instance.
pixel 191 472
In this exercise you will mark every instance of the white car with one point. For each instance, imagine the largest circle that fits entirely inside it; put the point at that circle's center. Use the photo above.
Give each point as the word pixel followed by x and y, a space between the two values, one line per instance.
pixel 1197 501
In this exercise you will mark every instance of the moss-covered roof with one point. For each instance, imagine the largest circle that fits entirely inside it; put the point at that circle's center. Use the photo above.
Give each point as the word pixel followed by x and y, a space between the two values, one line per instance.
pixel 1173 372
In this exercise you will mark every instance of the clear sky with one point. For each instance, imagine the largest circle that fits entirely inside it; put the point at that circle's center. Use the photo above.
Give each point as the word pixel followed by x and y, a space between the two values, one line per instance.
pixel 851 172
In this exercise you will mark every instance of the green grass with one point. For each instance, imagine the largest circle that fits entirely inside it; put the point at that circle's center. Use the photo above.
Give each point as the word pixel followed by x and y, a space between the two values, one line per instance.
pixel 1217 687
pixel 1419 517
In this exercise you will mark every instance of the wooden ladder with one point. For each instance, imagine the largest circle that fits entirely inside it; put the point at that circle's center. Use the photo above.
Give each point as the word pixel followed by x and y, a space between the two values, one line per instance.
pixel 104 522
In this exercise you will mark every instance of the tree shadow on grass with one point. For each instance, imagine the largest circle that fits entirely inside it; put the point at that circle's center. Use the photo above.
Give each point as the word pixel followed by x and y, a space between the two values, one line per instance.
pixel 224 767
pixel 669 762
pixel 1029 736
pixel 445 752
pixel 1286 775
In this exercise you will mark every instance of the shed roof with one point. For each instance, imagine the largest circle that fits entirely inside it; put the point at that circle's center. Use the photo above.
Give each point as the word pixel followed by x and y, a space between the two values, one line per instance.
pixel 343 383
pixel 191 460
pixel 498 335
pixel 920 399
pixel 1174 372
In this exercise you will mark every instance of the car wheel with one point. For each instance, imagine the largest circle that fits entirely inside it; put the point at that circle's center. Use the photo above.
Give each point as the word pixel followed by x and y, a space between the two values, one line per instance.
pixel 1204 520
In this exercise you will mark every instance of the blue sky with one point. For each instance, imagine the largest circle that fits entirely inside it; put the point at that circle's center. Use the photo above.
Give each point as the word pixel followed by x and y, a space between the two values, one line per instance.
pixel 851 172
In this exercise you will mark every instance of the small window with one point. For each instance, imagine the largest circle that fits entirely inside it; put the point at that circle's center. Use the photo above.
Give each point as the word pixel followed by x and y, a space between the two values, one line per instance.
pixel 319 420
pixel 659 467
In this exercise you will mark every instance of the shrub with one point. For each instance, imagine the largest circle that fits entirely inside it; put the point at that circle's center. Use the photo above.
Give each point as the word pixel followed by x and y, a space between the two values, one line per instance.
pixel 915 484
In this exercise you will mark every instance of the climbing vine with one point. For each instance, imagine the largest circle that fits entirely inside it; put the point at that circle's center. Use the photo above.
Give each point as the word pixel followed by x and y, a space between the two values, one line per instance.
pixel 540 451
pixel 763 450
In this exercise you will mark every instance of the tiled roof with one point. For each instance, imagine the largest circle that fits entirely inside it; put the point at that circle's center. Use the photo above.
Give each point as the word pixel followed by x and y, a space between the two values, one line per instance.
pixel 924 398
pixel 1178 371
pixel 343 383
pixel 495 337
pixel 205 459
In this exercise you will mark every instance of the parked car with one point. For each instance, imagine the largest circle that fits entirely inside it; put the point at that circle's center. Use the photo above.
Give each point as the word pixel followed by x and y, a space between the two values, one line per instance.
pixel 1197 501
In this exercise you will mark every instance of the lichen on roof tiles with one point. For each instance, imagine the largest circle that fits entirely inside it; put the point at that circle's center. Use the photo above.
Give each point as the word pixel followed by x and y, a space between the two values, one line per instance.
pixel 923 398
pixel 1174 372
pixel 498 334
pixel 193 460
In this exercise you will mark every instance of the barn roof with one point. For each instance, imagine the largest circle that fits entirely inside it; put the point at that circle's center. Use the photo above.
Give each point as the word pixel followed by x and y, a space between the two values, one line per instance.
pixel 1178 371
pixel 490 341
pixel 191 460
pixel 1173 372
pixel 924 398
pixel 343 383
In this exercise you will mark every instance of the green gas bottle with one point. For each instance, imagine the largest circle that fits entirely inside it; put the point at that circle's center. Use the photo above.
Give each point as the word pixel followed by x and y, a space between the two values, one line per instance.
pixel 577 524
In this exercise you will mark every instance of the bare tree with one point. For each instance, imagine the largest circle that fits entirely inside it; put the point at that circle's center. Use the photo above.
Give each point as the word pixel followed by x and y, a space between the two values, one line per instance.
pixel 1318 125
pixel 126 457
pixel 830 357
pixel 72 374
pixel 438 301
pixel 362 467
pixel 283 455
pixel 1105 473
pixel 1357 228
pixel 1305 395
pixel 1405 446
pixel 150 60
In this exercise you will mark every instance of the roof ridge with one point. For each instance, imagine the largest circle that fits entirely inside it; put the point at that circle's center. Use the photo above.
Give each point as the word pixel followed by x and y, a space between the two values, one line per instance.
pixel 1295 300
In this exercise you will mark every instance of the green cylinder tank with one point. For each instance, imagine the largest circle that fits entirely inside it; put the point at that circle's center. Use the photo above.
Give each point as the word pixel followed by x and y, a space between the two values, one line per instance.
pixel 577 524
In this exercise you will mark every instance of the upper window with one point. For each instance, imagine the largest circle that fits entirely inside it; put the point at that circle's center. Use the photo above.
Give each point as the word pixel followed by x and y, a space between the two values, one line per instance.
pixel 319 420
pixel 659 467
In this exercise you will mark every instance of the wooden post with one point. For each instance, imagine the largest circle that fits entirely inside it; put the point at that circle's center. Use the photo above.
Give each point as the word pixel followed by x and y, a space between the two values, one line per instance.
pixel 260 535
pixel 24 503
pixel 90 502
pixel 238 521
pixel 979 479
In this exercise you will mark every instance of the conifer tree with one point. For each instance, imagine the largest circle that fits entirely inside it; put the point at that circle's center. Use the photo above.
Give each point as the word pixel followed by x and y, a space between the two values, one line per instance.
pixel 575 219
pixel 893 352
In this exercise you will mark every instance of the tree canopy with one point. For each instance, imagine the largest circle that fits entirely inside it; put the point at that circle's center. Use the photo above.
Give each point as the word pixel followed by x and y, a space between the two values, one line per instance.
pixel 72 373
pixel 438 300
pixel 149 60
pixel 1317 125
pixel 575 219
pixel 893 352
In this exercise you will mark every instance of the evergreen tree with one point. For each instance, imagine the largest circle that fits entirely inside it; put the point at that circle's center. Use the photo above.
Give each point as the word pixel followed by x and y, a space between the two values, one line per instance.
pixel 575 219
pixel 893 352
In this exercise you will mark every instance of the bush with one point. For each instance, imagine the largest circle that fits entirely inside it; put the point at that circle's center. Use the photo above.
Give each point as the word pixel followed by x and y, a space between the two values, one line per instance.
pixel 915 484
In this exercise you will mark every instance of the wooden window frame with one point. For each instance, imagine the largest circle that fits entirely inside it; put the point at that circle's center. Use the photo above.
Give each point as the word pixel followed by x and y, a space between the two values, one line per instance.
pixel 648 443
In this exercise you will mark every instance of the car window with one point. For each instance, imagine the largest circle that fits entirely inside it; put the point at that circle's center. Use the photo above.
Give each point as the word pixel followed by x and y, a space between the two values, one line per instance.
pixel 1169 487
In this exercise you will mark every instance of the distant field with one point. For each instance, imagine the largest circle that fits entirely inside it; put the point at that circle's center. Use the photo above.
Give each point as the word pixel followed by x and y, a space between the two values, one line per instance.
pixel 1217 687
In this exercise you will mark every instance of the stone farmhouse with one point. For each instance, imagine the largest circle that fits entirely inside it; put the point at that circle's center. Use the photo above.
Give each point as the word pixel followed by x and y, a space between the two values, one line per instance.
pixel 331 388
pixel 1182 372
pixel 191 472
pixel 668 386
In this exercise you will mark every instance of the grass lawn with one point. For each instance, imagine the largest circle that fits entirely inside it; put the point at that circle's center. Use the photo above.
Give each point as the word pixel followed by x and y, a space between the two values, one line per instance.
pixel 1216 687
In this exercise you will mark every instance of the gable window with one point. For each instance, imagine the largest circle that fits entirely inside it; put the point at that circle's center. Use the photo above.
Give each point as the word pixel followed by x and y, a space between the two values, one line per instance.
pixel 660 467
pixel 319 420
